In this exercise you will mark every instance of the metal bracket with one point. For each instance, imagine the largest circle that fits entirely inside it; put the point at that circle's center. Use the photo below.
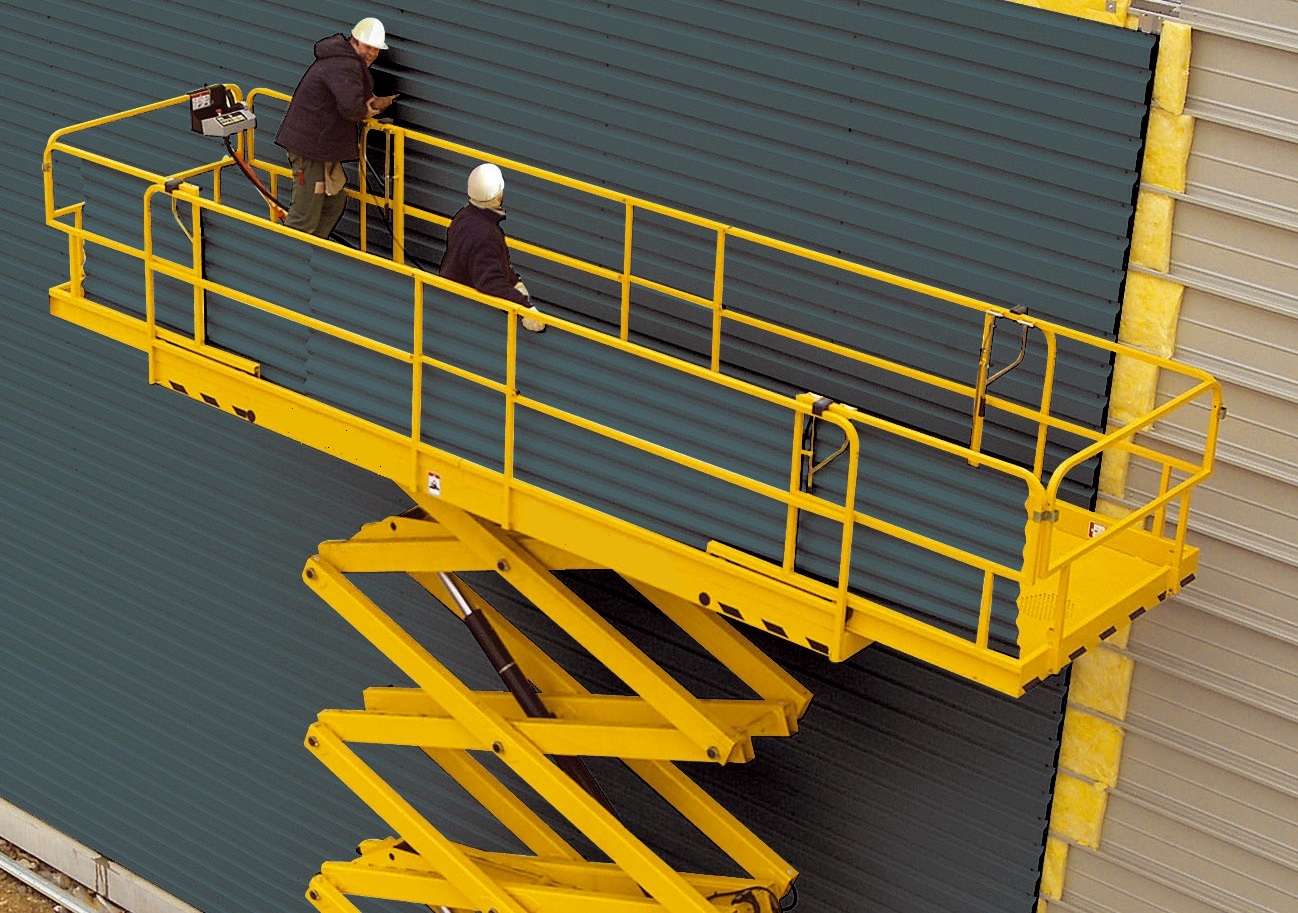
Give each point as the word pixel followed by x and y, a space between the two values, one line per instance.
pixel 1151 13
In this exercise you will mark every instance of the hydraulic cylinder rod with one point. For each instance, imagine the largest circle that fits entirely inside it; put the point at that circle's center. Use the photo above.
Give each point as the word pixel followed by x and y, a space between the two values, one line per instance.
pixel 510 673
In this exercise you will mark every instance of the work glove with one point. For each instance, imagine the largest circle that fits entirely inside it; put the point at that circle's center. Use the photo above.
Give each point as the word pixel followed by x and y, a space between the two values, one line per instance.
pixel 531 323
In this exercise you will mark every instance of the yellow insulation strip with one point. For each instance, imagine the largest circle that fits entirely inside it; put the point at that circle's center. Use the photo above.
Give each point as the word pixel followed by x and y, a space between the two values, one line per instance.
pixel 1113 481
pixel 1052 869
pixel 1113 12
pixel 1167 149
pixel 1135 384
pixel 1102 679
pixel 1092 747
pixel 1151 235
pixel 1090 751
pixel 1150 312
pixel 1090 754
pixel 1152 306
pixel 1078 810
pixel 1172 76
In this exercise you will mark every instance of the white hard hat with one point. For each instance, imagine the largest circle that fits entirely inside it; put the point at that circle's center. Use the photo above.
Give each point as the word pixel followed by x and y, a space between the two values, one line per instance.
pixel 370 31
pixel 485 183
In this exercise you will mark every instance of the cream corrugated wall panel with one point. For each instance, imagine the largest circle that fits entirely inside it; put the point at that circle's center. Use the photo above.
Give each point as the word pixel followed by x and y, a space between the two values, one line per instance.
pixel 1251 90
pixel 1236 255
pixel 1249 589
pixel 1251 666
pixel 1250 171
pixel 1201 819
pixel 1260 434
pixel 1241 506
pixel 1231 801
pixel 1246 344
pixel 1264 22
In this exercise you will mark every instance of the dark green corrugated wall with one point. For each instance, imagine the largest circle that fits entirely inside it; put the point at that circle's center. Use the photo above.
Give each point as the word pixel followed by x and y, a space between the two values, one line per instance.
pixel 160 658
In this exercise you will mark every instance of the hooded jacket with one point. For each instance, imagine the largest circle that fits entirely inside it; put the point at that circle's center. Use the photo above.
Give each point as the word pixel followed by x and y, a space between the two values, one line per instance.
pixel 477 256
pixel 329 102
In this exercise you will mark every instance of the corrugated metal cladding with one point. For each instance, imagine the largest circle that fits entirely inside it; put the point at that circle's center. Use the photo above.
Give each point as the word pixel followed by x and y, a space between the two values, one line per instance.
pixel 161 658
pixel 1202 818
pixel 916 137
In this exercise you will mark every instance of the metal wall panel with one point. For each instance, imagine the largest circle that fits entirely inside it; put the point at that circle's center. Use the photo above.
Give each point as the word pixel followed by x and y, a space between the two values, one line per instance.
pixel 1200 820
pixel 1230 252
pixel 760 117
pixel 161 658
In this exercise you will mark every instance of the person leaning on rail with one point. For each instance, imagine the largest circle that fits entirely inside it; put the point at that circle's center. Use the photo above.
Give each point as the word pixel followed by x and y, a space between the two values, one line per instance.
pixel 476 253
pixel 319 129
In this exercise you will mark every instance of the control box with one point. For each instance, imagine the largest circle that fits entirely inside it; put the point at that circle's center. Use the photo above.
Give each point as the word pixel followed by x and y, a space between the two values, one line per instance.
pixel 229 122
pixel 214 112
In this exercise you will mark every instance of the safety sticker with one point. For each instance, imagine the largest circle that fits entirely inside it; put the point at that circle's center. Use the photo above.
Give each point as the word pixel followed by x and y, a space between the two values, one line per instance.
pixel 435 484
pixel 1096 529
pixel 201 99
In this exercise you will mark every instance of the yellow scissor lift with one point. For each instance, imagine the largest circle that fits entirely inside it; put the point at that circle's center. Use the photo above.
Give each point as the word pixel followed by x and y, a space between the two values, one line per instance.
pixel 1083 574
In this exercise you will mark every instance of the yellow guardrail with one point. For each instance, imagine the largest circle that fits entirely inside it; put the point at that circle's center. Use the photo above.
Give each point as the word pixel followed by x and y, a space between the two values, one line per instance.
pixel 1178 474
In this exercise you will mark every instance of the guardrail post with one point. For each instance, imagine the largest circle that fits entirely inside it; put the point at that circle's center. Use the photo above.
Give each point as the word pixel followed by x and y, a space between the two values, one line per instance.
pixel 1047 397
pixel 799 463
pixel 983 632
pixel 1059 617
pixel 853 445
pixel 718 291
pixel 1160 514
pixel 511 409
pixel 980 385
pixel 625 326
pixel 150 317
pixel 77 253
pixel 398 196
pixel 417 377
pixel 200 294
pixel 1036 547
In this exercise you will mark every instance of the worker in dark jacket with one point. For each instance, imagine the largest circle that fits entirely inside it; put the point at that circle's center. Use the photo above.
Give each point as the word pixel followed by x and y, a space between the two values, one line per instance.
pixel 476 253
pixel 319 129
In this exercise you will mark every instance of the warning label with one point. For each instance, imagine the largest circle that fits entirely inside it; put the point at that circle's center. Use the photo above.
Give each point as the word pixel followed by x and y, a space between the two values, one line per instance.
pixel 435 484
pixel 1096 529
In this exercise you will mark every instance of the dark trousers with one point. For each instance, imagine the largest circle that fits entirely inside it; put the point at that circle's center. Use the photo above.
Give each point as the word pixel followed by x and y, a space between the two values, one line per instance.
pixel 312 210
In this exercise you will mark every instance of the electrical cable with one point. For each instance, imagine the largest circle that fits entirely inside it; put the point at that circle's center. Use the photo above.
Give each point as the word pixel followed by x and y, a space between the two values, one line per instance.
pixel 280 211
pixel 387 220
pixel 178 219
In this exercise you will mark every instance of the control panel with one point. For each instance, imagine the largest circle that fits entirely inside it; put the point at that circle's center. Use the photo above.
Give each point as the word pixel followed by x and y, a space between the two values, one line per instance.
pixel 214 112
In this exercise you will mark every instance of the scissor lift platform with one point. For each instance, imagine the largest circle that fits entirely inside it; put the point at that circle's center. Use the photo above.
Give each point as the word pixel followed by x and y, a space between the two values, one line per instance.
pixel 814 574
